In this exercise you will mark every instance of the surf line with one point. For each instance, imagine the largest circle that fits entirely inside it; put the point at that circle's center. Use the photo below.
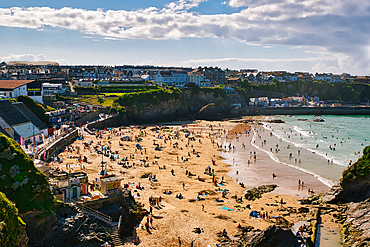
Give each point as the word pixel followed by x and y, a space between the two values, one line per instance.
pixel 325 181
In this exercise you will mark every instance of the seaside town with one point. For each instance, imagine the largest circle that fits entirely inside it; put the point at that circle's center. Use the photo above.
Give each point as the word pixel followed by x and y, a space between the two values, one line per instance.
pixel 150 156
pixel 184 123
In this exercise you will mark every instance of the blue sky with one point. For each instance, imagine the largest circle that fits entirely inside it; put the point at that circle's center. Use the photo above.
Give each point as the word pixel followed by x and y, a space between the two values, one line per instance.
pixel 292 35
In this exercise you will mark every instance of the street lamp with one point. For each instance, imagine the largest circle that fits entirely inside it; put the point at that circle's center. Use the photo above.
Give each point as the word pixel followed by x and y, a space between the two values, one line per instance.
pixel 102 162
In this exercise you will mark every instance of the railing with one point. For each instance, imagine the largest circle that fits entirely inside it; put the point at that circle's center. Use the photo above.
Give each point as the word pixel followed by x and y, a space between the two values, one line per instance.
pixel 93 213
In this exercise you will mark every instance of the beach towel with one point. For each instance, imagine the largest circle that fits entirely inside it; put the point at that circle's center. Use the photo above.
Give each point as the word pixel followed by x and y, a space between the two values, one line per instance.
pixel 227 209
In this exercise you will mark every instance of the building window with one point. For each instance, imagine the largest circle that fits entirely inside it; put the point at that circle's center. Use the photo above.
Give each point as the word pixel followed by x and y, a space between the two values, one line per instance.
pixel 37 93
pixel 31 93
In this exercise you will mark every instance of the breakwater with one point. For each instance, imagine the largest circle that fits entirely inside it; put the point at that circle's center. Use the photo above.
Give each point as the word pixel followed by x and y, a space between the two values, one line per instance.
pixel 255 111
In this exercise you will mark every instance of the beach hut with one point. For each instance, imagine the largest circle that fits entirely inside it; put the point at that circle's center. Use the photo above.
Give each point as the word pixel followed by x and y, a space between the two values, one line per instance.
pixel 110 185
pixel 84 189
pixel 74 191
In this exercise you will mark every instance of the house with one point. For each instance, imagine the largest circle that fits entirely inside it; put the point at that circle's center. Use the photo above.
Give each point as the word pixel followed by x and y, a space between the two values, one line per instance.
pixel 276 102
pixel 261 101
pixel 337 78
pixel 324 77
pixel 32 117
pixel 14 88
pixel 50 88
pixel 163 77
pixel 16 124
pixel 362 79
pixel 213 74
pixel 85 83
pixel 179 78
pixel 70 185
pixel 199 79
pixel 304 76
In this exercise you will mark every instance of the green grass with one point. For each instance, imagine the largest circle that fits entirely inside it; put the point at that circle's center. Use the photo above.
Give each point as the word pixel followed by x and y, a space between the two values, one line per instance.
pixel 10 222
pixel 360 169
pixel 33 190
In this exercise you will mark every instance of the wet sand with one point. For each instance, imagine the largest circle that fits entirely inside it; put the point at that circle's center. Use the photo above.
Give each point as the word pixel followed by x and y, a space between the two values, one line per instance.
pixel 259 171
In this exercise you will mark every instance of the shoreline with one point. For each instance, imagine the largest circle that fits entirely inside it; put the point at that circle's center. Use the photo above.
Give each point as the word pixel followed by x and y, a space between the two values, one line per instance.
pixel 259 172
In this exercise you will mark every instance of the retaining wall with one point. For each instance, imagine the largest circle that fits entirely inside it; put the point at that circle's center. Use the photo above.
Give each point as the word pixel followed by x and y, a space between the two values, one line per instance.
pixel 58 145
pixel 114 121
pixel 88 117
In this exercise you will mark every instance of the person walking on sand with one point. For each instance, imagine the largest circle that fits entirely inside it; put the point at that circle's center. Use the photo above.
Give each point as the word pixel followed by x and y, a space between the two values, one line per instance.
pixel 179 241
pixel 273 176
pixel 183 185
pixel 202 207
pixel 192 243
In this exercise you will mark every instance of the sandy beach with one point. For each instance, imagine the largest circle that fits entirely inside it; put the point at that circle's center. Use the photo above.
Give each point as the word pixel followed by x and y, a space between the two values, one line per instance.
pixel 193 154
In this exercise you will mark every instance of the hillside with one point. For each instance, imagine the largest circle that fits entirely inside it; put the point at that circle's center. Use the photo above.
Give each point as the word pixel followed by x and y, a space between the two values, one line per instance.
pixel 170 103
pixel 324 90
pixel 20 180
pixel 11 225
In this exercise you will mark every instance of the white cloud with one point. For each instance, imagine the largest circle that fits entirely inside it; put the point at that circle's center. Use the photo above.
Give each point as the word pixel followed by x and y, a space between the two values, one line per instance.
pixel 338 28
pixel 22 57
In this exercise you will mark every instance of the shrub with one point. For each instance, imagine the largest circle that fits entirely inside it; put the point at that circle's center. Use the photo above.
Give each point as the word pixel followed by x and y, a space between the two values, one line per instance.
pixel 35 107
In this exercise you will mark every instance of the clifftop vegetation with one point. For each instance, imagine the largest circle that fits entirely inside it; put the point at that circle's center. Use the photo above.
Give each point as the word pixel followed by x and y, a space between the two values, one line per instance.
pixel 324 90
pixel 359 169
pixel 20 180
pixel 37 109
pixel 153 96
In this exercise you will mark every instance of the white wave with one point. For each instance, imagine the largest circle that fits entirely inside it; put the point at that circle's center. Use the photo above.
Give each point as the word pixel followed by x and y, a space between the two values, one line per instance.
pixel 325 181
pixel 302 132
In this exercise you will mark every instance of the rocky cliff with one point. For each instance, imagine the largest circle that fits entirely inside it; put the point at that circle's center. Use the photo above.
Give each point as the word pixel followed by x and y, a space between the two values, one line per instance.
pixel 354 191
pixel 188 104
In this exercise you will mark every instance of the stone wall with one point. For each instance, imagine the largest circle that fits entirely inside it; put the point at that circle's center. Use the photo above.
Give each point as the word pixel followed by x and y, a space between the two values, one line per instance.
pixel 58 145
pixel 88 117
pixel 114 121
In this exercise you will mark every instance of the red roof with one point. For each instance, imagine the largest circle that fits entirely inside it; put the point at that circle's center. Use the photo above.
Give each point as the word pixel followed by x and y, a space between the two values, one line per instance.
pixel 12 84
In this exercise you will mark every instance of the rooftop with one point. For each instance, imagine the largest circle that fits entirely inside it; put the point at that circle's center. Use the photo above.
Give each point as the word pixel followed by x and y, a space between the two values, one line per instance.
pixel 30 115
pixel 12 84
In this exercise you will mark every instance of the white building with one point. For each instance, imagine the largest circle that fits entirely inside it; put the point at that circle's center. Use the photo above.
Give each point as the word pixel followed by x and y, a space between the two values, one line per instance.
pixel 14 88
pixel 50 88
pixel 261 101
pixel 172 78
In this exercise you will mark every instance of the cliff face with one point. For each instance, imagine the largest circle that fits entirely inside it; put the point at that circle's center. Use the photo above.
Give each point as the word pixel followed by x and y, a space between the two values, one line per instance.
pixel 354 190
pixel 172 109
pixel 355 183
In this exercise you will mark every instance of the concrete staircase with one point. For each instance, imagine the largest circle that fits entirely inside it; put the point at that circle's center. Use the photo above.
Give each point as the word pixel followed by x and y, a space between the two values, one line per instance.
pixel 92 213
pixel 116 239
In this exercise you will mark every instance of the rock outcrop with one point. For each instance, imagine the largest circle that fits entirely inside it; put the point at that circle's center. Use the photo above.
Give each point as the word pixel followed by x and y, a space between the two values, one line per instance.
pixel 75 229
pixel 272 236
pixel 189 104
pixel 354 191
pixel 356 228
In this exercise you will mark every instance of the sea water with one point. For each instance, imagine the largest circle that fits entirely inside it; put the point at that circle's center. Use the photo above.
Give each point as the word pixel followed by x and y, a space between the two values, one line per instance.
pixel 321 148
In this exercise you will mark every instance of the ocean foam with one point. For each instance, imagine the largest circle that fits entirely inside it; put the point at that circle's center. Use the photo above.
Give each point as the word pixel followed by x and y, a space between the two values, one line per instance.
pixel 325 181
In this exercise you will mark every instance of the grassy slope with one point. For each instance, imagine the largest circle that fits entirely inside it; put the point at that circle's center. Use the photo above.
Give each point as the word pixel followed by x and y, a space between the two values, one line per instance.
pixel 33 190
pixel 359 169
pixel 10 222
